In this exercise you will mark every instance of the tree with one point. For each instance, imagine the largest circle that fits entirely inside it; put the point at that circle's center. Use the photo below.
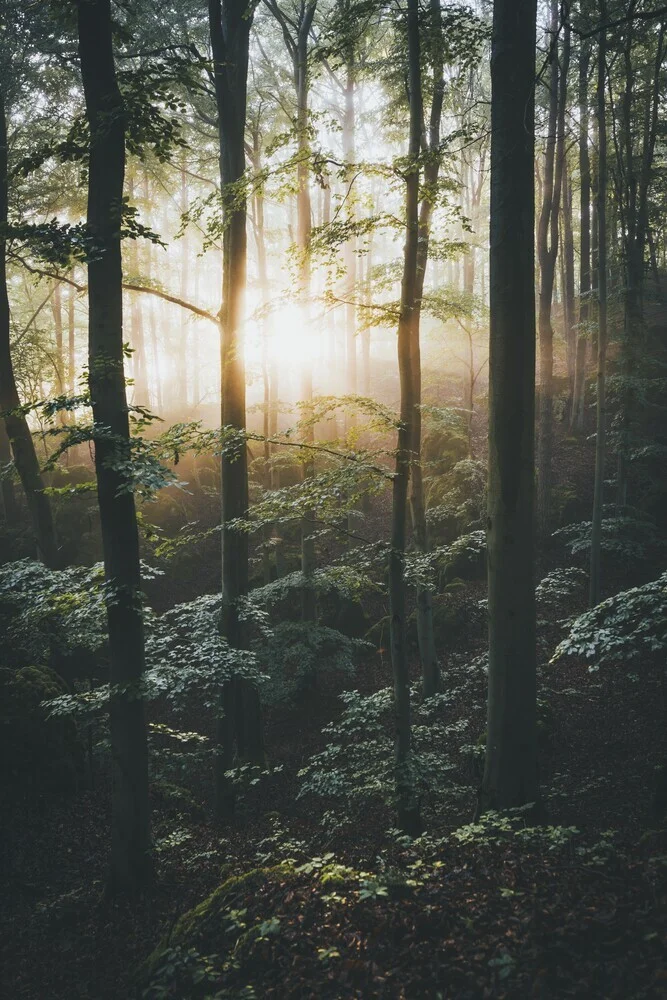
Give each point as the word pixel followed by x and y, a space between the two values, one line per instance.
pixel 408 809
pixel 579 389
pixel 600 437
pixel 510 769
pixel 131 865
pixel 547 248
pixel 240 721
pixel 427 651
pixel 296 32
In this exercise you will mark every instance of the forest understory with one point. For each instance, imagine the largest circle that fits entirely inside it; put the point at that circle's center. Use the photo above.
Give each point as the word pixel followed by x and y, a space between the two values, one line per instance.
pixel 574 908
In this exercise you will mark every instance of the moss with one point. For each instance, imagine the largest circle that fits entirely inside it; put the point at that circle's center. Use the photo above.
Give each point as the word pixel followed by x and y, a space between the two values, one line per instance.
pixel 204 927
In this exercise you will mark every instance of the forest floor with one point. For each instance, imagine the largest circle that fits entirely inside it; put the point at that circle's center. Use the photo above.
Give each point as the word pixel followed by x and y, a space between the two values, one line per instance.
pixel 497 914
pixel 573 909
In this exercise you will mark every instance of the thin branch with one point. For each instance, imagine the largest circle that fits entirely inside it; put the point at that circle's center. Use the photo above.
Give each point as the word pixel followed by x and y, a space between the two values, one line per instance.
pixel 129 286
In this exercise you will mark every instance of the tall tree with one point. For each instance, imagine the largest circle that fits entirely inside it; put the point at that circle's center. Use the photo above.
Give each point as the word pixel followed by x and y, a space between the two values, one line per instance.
pixel 296 34
pixel 239 724
pixel 600 438
pixel 408 808
pixel 510 770
pixel 131 866
pixel 431 148
pixel 579 389
pixel 547 248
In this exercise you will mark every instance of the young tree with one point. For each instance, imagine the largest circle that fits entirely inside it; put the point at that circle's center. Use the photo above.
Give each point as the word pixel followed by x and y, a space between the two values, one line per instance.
pixel 510 770
pixel 131 866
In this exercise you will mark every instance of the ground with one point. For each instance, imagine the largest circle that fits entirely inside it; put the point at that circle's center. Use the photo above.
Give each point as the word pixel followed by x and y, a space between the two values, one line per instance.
pixel 576 909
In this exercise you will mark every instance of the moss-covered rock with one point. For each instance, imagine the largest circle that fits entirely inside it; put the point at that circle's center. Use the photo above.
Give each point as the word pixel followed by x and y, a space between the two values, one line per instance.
pixel 40 754
pixel 215 925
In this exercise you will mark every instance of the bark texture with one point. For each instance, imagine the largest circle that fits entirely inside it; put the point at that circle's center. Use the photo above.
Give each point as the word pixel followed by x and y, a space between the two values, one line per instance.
pixel 510 771
pixel 131 866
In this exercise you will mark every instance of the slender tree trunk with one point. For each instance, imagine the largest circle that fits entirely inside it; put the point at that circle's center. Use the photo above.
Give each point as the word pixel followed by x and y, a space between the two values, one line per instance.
pixel 152 323
pixel 547 245
pixel 131 866
pixel 427 652
pixel 600 440
pixel 18 431
pixel 308 558
pixel 137 341
pixel 578 397
pixel 349 252
pixel 408 807
pixel 184 279
pixel 568 282
pixel 57 308
pixel 71 343
pixel 366 331
pixel 510 771
pixel 240 720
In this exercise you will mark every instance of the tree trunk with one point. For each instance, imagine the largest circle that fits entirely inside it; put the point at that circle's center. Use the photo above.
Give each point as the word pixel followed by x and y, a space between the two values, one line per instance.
pixel 600 440
pixel 57 309
pixel 547 247
pixel 137 342
pixel 349 251
pixel 183 353
pixel 131 866
pixel 427 652
pixel 510 771
pixel 579 393
pixel 568 283
pixel 240 720
pixel 71 343
pixel 408 807
pixel 21 440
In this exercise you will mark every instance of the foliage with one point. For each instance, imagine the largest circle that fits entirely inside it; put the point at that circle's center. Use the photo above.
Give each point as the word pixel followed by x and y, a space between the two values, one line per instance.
pixel 296 653
pixel 628 537
pixel 355 770
pixel 626 631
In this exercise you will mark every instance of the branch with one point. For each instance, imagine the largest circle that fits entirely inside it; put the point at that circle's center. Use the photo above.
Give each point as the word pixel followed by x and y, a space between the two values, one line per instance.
pixel 328 451
pixel 129 286
pixel 642 15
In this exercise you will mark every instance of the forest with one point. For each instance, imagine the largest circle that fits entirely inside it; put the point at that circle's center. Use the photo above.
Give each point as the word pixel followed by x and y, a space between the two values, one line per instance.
pixel 333 499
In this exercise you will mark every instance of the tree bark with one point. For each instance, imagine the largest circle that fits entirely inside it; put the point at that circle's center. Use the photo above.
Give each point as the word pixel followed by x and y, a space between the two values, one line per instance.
pixel 407 805
pixel 240 722
pixel 18 431
pixel 427 652
pixel 547 247
pixel 600 439
pixel 131 865
pixel 568 283
pixel 578 396
pixel 510 771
